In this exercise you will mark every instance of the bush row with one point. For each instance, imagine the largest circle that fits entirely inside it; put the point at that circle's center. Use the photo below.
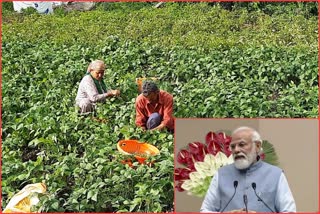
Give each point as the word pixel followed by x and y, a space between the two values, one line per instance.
pixel 190 25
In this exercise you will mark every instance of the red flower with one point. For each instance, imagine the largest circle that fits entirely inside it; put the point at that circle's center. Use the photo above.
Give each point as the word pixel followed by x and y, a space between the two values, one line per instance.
pixel 184 157
pixel 218 143
pixel 198 150
pixel 191 166
pixel 178 186
pixel 181 174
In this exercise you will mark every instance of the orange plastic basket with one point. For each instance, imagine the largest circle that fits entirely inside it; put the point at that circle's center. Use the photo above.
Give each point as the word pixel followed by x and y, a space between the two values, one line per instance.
pixel 140 150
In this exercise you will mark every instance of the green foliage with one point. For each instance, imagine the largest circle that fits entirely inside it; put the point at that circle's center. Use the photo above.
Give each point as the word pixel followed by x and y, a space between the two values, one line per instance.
pixel 60 11
pixel 269 153
pixel 306 9
pixel 7 11
pixel 216 63
pixel 29 11
pixel 129 6
pixel 190 25
pixel 7 6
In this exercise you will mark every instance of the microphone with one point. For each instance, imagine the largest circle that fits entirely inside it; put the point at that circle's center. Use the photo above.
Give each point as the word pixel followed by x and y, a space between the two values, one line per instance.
pixel 245 200
pixel 235 184
pixel 260 199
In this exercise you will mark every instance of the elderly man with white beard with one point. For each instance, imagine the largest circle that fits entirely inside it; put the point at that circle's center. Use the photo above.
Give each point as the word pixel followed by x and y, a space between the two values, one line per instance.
pixel 249 184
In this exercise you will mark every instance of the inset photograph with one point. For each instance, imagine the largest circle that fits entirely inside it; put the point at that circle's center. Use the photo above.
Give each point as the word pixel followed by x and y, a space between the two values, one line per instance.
pixel 246 165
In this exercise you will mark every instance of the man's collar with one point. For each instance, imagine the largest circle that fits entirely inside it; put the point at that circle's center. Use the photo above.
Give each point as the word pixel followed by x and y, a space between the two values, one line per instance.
pixel 160 98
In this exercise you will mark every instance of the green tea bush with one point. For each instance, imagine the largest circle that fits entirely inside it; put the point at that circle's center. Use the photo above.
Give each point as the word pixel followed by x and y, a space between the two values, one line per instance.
pixel 192 25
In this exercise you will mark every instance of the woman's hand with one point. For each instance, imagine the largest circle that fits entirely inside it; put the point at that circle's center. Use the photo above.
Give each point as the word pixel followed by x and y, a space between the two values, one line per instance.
pixel 114 92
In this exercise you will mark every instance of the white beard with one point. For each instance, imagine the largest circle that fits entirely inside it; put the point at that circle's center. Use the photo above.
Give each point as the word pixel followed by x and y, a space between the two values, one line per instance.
pixel 244 163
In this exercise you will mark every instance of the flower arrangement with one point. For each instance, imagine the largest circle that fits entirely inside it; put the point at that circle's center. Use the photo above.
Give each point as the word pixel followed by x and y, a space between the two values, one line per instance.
pixel 202 160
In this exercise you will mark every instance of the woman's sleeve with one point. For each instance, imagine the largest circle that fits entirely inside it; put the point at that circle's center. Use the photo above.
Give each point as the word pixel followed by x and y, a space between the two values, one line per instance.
pixel 92 92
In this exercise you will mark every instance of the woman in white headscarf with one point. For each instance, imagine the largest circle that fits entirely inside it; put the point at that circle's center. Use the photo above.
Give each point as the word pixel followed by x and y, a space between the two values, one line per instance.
pixel 92 88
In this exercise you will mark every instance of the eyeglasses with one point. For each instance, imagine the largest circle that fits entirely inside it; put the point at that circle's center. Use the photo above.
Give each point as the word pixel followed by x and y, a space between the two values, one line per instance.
pixel 241 144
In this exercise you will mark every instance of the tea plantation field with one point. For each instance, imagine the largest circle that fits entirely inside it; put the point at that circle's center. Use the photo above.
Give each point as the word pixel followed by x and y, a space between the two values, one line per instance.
pixel 216 63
